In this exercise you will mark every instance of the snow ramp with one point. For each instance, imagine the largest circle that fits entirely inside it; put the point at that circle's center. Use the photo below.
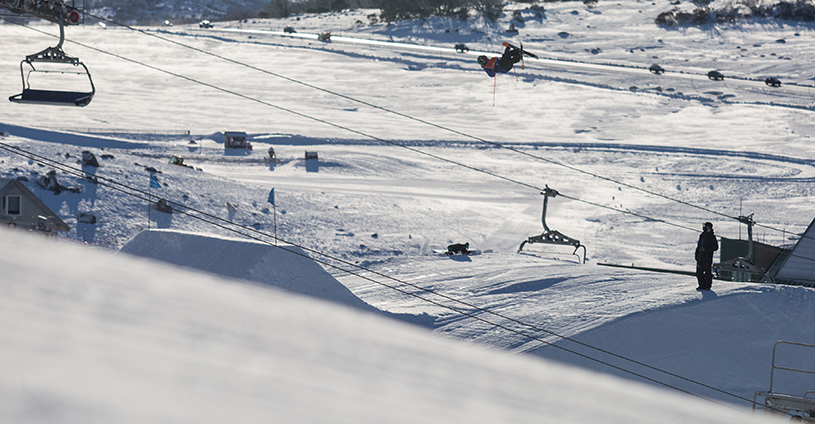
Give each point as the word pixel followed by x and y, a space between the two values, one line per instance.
pixel 286 267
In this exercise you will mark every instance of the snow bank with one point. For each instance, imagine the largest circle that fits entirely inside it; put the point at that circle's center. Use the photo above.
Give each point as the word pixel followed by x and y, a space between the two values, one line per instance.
pixel 88 337
pixel 287 267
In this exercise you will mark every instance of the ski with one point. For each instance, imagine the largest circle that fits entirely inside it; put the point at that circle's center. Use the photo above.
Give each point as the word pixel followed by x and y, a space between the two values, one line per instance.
pixel 524 52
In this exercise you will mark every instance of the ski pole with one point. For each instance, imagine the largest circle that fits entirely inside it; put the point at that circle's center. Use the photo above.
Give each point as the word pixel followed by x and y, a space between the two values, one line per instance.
pixel 494 83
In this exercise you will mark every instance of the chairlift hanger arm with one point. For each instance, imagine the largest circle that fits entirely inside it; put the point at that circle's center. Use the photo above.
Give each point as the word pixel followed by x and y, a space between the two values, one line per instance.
pixel 49 10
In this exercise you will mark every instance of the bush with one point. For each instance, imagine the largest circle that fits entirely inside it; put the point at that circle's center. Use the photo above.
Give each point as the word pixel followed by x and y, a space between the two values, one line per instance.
pixel 395 10
pixel 666 19
pixel 490 9
pixel 798 10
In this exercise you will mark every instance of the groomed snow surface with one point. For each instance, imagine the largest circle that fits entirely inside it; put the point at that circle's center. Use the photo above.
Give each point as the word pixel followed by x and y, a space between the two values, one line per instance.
pixel 193 322
pixel 96 339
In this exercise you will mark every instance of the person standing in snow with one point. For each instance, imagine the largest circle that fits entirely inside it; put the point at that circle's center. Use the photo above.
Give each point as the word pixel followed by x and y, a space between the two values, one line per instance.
pixel 704 256
pixel 503 65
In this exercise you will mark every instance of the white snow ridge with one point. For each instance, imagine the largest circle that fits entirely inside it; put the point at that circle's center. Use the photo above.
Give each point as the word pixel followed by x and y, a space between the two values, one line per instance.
pixel 126 340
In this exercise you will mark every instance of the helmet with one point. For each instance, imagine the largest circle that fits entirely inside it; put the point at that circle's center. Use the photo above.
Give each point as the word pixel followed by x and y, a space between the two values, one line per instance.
pixel 482 60
pixel 707 226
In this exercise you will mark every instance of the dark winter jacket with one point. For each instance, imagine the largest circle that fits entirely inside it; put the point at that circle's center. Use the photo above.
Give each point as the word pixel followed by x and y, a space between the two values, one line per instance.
pixel 705 247
pixel 492 67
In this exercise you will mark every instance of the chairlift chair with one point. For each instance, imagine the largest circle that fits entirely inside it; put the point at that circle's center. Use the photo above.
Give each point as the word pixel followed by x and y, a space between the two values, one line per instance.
pixel 801 408
pixel 552 236
pixel 53 56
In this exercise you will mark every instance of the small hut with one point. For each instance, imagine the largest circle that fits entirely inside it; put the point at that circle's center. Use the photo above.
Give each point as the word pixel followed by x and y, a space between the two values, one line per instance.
pixel 236 140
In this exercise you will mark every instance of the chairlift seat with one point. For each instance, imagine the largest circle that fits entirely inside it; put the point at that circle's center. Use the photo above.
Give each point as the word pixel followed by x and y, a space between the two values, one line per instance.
pixel 56 98
pixel 787 402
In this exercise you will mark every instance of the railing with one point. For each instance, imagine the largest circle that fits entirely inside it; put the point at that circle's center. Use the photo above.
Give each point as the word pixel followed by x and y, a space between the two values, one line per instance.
pixel 774 367
pixel 123 131
pixel 784 403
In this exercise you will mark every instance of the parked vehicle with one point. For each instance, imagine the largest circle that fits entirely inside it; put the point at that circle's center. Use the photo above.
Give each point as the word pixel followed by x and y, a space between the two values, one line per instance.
pixel 205 24
pixel 715 75
pixel 461 48
pixel 656 69
pixel 773 82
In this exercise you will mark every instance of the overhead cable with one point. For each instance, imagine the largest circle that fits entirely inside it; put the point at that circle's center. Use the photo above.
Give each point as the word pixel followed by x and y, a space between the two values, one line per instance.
pixel 355 270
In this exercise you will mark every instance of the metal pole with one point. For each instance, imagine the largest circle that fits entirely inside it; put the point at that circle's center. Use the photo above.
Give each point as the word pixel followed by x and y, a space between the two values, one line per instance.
pixel 275 224
pixel 543 215
pixel 148 207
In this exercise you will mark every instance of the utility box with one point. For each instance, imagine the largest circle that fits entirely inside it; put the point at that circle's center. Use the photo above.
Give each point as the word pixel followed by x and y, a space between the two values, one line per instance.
pixel 236 140
pixel 312 163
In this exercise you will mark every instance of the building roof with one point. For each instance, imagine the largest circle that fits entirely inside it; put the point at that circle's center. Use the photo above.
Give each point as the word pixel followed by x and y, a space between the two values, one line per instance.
pixel 799 265
pixel 7 183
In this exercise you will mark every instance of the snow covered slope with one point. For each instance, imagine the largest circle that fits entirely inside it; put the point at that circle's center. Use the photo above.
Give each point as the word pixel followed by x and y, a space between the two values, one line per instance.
pixel 287 267
pixel 709 150
pixel 133 341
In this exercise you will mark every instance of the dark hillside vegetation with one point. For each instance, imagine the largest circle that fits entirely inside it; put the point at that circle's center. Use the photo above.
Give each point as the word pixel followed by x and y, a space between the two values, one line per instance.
pixel 185 11
pixel 798 11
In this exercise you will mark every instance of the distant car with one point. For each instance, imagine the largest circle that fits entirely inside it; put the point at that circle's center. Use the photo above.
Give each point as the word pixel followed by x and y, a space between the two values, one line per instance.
pixel 461 48
pixel 715 75
pixel 289 30
pixel 656 69
pixel 773 82
pixel 168 23
pixel 325 36
pixel 205 24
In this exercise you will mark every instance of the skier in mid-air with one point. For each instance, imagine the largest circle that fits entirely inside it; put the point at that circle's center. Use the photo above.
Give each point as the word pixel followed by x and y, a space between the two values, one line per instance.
pixel 504 64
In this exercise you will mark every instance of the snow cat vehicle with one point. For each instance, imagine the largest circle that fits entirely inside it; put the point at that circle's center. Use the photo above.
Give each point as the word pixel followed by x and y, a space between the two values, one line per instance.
pixel 178 160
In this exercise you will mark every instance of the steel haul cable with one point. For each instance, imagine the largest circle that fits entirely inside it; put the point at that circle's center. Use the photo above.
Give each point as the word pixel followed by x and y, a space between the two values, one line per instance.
pixel 229 226
pixel 393 143
pixel 481 140
pixel 417 287
pixel 456 163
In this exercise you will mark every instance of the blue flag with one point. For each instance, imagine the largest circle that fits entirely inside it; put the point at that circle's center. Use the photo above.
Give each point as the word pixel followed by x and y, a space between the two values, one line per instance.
pixel 271 197
pixel 154 182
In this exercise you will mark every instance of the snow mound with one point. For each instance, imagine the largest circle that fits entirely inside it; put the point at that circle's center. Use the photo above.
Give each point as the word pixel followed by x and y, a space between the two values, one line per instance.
pixel 286 267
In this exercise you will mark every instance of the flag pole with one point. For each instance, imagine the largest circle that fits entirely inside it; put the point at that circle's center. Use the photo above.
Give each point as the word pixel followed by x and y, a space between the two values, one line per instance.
pixel 148 206
pixel 274 207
